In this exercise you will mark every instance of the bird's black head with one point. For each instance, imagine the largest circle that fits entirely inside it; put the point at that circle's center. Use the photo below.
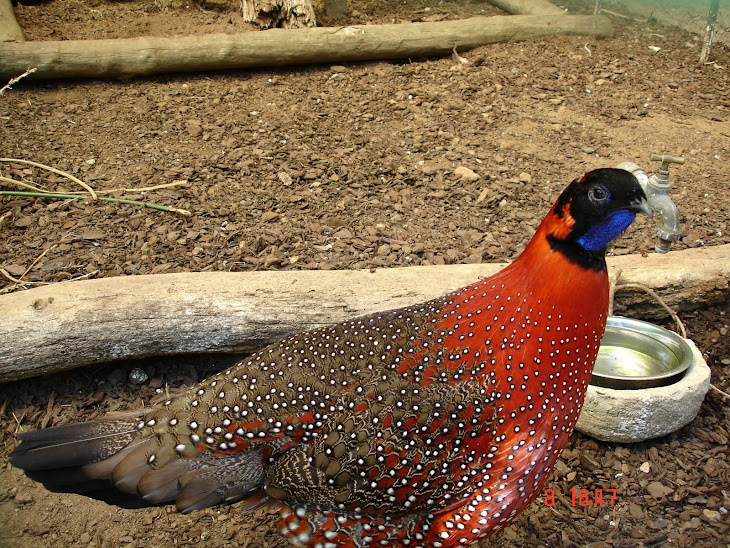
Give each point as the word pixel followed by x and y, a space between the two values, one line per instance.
pixel 593 211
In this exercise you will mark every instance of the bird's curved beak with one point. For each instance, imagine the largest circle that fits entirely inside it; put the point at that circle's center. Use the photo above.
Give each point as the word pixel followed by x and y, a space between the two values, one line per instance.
pixel 641 206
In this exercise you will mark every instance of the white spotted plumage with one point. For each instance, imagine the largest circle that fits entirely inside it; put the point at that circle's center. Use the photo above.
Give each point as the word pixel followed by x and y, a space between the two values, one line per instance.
pixel 432 425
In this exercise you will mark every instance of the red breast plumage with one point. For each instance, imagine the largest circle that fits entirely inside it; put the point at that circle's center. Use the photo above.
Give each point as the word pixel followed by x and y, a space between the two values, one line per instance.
pixel 432 425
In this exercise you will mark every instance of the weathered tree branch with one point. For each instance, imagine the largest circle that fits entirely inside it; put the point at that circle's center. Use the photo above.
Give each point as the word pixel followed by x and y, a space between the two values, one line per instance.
pixel 69 324
pixel 278 47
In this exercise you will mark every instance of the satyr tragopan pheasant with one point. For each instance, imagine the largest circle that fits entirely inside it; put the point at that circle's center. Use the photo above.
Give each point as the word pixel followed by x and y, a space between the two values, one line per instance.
pixel 432 425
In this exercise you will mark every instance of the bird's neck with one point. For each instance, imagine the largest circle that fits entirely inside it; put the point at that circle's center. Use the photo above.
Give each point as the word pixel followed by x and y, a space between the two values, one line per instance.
pixel 557 229
pixel 554 273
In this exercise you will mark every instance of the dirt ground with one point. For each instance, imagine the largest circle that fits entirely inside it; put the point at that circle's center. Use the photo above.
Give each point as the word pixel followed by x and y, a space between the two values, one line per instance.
pixel 357 166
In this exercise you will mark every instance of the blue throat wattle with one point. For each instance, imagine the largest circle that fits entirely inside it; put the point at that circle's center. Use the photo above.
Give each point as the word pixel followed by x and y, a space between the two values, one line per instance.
pixel 600 234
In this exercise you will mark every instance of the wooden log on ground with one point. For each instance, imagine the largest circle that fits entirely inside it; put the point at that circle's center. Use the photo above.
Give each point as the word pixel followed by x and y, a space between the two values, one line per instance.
pixel 10 31
pixel 527 7
pixel 69 324
pixel 278 47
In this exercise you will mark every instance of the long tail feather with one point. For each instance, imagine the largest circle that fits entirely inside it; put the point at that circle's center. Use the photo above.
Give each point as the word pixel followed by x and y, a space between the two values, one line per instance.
pixel 78 458
pixel 99 455
pixel 72 445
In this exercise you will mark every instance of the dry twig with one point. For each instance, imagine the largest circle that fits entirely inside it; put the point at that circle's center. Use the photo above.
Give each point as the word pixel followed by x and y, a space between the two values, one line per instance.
pixel 141 189
pixel 458 58
pixel 17 281
pixel 665 306
pixel 723 394
pixel 22 184
pixel 9 276
pixel 55 195
pixel 37 259
pixel 76 180
pixel 18 427
pixel 39 192
pixel 15 80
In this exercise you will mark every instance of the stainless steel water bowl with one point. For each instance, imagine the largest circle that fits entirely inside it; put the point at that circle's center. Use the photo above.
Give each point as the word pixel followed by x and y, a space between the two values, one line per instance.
pixel 636 354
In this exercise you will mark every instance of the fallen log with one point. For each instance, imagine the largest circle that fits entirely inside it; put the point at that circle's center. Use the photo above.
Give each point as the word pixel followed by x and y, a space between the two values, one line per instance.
pixel 278 47
pixel 70 324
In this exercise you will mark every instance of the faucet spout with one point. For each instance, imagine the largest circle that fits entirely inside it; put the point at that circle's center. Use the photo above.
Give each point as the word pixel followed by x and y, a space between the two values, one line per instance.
pixel 657 189
pixel 668 228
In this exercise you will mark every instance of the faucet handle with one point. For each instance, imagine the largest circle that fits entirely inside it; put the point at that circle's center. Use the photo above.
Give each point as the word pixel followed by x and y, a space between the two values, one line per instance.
pixel 665 159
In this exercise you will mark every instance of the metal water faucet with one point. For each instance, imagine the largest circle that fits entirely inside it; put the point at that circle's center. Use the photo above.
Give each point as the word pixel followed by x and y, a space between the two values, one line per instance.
pixel 657 189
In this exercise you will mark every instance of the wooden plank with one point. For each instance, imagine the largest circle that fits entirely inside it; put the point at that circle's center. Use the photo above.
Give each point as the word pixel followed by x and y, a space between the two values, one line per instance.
pixel 278 47
pixel 69 324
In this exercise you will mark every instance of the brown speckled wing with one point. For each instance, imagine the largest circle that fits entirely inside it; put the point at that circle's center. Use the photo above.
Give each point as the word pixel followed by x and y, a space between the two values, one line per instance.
pixel 406 452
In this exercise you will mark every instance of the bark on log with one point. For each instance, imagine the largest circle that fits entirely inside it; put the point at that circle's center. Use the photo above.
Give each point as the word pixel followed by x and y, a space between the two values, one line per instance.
pixel 69 324
pixel 10 31
pixel 527 7
pixel 278 47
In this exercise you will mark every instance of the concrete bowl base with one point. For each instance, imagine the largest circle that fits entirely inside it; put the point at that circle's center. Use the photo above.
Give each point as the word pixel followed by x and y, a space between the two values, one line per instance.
pixel 629 416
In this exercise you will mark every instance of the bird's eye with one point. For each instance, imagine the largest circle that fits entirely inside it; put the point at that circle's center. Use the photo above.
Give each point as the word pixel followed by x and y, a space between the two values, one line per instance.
pixel 598 195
